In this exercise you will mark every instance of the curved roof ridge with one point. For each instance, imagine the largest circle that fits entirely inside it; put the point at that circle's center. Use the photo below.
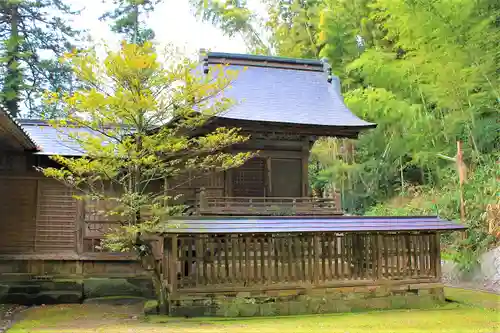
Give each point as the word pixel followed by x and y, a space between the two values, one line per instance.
pixel 265 58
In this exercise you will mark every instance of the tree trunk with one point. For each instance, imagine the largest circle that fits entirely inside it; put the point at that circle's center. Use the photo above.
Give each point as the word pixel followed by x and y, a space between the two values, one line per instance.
pixel 13 77
pixel 148 262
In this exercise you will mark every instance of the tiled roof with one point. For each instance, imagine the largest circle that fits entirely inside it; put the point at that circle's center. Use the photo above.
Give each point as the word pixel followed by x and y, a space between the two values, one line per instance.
pixel 283 90
pixel 292 224
pixel 16 129
pixel 53 141
pixel 271 89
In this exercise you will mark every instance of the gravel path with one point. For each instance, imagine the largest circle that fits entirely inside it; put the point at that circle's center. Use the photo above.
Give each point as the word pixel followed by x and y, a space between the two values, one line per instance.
pixel 8 313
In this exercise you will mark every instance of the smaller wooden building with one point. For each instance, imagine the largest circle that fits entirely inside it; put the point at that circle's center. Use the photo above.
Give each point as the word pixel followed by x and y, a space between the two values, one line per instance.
pixel 283 104
pixel 343 259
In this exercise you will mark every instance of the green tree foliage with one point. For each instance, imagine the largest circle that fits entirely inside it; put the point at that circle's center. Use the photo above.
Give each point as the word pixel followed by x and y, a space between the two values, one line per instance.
pixel 234 17
pixel 126 19
pixel 427 72
pixel 33 34
pixel 136 120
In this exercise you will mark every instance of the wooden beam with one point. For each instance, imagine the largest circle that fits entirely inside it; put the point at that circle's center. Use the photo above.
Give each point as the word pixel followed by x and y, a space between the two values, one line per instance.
pixel 274 153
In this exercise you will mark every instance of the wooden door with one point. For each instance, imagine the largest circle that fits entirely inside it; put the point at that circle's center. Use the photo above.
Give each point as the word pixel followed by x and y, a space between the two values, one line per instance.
pixel 249 179
pixel 286 177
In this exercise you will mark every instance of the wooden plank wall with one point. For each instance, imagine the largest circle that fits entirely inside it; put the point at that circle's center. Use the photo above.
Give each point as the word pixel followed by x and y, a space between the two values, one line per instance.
pixel 55 218
pixel 36 215
pixel 246 260
pixel 17 215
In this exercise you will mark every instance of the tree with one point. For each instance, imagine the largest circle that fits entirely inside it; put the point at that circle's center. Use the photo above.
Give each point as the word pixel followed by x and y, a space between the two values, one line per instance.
pixel 33 34
pixel 126 19
pixel 234 17
pixel 145 128
pixel 427 72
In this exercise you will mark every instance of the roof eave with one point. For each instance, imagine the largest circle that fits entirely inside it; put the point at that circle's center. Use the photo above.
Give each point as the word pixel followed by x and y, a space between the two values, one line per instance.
pixel 15 129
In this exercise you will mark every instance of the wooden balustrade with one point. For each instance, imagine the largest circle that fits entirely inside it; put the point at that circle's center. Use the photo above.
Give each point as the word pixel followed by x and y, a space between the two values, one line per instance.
pixel 267 206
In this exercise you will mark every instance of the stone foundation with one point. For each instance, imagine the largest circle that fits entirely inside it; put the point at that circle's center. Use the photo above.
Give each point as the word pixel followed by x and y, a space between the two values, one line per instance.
pixel 324 301
pixel 59 291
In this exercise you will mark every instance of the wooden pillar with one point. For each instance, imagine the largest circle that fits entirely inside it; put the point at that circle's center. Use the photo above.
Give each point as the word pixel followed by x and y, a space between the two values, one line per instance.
pixel 80 225
pixel 380 246
pixel 437 255
pixel 316 265
pixel 173 265
pixel 305 169
pixel 268 178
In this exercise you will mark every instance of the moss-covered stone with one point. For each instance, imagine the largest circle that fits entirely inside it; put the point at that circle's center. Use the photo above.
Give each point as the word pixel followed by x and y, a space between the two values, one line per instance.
pixel 151 307
pixel 25 288
pixel 145 284
pixel 250 310
pixel 116 300
pixel 32 292
pixel 102 287
pixel 58 297
pixel 17 298
pixel 345 301
pixel 398 302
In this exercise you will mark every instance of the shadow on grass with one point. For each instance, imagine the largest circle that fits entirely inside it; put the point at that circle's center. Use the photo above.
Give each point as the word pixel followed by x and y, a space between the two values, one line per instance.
pixel 472 298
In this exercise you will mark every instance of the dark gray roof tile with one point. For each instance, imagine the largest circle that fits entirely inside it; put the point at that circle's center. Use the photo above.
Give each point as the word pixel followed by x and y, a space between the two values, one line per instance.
pixel 287 96
pixel 220 225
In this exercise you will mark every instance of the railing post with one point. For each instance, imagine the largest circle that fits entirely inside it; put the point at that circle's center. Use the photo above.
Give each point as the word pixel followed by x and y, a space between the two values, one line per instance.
pixel 337 201
pixel 202 201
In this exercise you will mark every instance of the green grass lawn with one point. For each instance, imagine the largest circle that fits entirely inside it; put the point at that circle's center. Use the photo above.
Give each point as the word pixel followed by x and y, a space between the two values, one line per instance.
pixel 475 298
pixel 452 317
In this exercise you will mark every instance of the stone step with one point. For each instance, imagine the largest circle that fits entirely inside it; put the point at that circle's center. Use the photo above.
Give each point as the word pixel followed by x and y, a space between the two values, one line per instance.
pixel 46 297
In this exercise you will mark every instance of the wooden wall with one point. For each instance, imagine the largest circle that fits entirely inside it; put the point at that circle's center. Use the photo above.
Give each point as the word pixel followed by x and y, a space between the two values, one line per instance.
pixel 36 215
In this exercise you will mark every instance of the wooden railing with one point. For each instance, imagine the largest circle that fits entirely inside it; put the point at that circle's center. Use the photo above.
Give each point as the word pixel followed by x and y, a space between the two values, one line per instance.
pixel 267 206
pixel 202 261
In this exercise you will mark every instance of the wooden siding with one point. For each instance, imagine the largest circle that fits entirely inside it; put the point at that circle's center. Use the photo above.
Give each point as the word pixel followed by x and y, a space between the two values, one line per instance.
pixel 56 217
pixel 17 215
pixel 36 215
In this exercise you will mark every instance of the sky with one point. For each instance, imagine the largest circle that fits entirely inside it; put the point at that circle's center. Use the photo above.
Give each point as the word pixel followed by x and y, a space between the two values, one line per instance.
pixel 172 21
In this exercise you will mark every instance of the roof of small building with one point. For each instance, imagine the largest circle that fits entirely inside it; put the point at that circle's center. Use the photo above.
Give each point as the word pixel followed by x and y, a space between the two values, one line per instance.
pixel 284 90
pixel 16 130
pixel 294 224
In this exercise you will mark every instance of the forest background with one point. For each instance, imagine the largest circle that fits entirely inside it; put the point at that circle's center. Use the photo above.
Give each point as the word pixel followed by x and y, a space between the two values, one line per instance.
pixel 426 71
